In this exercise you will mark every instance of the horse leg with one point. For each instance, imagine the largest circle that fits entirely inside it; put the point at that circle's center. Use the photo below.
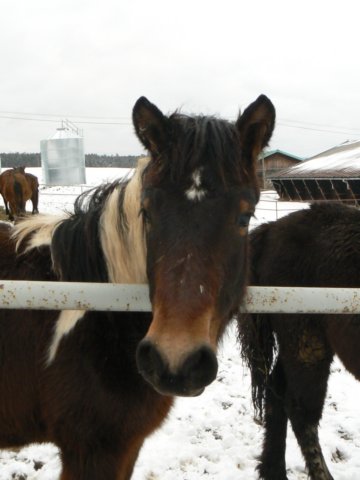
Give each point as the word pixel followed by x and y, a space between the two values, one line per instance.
pixel 35 201
pixel 305 396
pixel 77 465
pixel 6 205
pixel 23 207
pixel 12 210
pixel 106 450
pixel 19 201
pixel 101 465
pixel 272 460
pixel 128 460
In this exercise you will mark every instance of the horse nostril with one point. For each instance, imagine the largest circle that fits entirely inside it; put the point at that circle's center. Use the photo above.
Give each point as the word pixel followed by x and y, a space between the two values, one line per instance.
pixel 149 360
pixel 200 367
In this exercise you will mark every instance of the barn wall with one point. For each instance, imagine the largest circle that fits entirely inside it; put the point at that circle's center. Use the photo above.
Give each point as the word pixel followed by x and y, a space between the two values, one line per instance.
pixel 297 189
pixel 273 164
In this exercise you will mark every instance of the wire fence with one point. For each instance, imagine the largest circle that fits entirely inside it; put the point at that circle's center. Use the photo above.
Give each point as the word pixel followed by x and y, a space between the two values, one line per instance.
pixel 55 198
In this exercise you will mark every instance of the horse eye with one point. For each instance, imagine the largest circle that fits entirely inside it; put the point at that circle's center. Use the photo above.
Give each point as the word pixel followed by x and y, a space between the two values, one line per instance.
pixel 244 219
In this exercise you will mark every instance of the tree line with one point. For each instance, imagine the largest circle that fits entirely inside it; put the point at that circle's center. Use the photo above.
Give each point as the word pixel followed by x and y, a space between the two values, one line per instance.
pixel 17 159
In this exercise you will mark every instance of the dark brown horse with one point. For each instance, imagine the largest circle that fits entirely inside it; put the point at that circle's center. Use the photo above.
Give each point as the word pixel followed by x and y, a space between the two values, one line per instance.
pixel 290 355
pixel 16 188
pixel 97 384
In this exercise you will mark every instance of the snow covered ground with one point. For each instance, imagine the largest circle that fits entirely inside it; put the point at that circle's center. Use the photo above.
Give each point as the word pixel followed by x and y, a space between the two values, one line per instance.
pixel 214 436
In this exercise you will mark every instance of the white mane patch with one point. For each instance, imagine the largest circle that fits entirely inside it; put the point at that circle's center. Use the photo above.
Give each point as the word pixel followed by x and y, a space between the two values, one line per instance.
pixel 64 324
pixel 125 263
pixel 37 230
pixel 195 192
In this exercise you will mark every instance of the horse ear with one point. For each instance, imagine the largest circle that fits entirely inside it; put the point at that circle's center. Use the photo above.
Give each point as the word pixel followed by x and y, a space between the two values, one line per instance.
pixel 151 125
pixel 256 126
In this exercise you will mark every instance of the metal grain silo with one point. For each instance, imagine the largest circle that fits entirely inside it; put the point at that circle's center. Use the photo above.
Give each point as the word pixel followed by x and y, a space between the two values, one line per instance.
pixel 63 157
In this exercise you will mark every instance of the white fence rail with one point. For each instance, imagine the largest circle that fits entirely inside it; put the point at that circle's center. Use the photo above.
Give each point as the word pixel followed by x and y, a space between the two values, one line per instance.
pixel 110 297
pixel 121 297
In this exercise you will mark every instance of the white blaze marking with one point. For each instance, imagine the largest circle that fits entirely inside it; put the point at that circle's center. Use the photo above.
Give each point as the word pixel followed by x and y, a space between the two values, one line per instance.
pixel 195 192
pixel 64 324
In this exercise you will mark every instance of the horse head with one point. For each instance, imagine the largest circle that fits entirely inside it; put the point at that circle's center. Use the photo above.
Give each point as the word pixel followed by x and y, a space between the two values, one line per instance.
pixel 199 191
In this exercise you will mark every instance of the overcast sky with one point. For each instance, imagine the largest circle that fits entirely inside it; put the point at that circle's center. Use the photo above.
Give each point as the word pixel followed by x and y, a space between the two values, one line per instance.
pixel 90 60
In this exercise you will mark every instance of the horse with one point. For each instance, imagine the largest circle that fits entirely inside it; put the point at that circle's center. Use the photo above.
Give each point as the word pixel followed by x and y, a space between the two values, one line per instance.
pixel 16 187
pixel 96 384
pixel 290 355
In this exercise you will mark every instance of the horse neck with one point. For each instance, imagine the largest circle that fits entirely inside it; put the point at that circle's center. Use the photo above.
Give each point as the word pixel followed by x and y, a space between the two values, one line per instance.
pixel 124 246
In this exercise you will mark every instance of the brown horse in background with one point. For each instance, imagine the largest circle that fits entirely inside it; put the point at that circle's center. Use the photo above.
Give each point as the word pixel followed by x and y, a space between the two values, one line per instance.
pixel 290 355
pixel 96 384
pixel 16 188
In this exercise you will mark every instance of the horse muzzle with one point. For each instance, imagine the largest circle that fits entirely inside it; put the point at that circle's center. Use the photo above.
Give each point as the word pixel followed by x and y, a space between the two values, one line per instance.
pixel 189 379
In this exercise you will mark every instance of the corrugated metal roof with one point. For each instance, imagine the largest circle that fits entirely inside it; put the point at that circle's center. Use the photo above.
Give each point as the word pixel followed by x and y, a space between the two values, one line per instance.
pixel 342 161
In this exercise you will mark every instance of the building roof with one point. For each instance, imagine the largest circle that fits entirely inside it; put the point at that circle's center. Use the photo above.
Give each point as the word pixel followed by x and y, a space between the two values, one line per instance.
pixel 342 161
pixel 268 153
pixel 62 133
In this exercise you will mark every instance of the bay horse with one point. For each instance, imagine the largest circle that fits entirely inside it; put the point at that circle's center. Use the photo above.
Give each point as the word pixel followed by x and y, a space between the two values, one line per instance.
pixel 290 355
pixel 16 188
pixel 96 384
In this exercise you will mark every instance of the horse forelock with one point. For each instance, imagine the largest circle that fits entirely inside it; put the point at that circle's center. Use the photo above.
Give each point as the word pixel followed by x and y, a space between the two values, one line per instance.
pixel 122 232
pixel 201 144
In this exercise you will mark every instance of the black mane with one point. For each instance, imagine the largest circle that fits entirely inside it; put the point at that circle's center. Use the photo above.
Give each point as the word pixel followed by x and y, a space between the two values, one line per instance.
pixel 79 234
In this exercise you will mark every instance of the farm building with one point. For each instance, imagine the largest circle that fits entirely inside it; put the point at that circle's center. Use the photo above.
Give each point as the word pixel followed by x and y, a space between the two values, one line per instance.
pixel 271 162
pixel 330 175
